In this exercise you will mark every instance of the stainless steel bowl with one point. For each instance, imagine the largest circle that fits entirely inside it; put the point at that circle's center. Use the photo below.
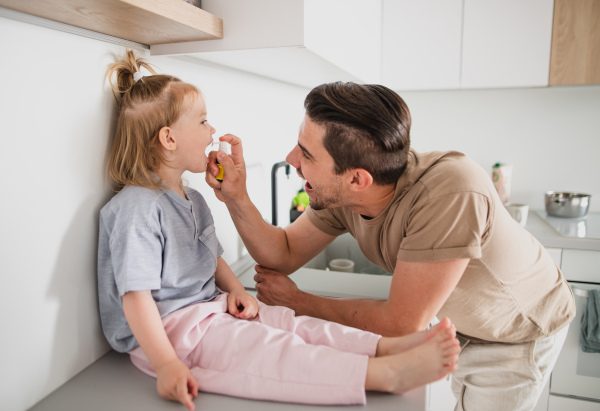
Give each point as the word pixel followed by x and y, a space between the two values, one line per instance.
pixel 567 205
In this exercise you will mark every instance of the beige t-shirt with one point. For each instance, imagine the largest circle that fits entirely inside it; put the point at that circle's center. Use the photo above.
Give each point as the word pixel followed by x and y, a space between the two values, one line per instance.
pixel 445 207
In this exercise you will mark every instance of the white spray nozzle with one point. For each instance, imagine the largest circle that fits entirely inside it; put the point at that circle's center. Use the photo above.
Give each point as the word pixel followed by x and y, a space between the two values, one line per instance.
pixel 223 146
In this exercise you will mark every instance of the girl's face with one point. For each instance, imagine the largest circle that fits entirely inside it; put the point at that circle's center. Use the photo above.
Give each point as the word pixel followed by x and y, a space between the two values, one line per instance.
pixel 193 134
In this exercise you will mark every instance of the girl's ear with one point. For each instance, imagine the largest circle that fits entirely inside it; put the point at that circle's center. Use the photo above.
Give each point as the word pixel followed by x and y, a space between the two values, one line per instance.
pixel 167 139
pixel 360 179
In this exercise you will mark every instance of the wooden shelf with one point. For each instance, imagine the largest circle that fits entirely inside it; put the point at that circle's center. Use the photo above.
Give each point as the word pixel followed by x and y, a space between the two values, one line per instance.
pixel 142 21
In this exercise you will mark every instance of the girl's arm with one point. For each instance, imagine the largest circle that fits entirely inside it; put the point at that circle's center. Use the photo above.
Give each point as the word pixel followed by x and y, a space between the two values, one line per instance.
pixel 239 303
pixel 174 380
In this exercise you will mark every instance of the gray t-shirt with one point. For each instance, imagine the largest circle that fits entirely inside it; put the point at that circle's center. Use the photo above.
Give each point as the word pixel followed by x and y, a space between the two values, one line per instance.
pixel 159 241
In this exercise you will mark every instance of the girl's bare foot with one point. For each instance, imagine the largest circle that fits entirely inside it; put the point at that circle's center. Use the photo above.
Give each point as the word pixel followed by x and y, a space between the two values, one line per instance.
pixel 427 362
pixel 396 345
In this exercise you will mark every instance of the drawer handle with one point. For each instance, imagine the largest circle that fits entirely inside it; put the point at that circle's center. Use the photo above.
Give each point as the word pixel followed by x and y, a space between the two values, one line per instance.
pixel 579 292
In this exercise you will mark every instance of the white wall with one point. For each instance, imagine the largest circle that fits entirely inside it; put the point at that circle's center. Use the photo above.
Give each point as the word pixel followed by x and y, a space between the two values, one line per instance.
pixel 57 116
pixel 550 135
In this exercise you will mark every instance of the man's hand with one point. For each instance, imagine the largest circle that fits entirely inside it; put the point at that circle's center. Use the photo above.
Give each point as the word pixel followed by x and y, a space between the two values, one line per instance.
pixel 233 187
pixel 241 304
pixel 274 288
pixel 174 381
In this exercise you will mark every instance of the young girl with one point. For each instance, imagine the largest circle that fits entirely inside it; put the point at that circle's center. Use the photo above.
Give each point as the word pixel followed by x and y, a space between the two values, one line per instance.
pixel 169 300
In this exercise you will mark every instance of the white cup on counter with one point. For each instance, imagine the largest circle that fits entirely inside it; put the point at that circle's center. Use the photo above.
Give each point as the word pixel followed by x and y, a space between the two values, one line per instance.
pixel 342 264
pixel 518 212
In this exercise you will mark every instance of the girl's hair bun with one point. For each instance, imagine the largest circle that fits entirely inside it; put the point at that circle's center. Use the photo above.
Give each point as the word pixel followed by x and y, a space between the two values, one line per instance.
pixel 122 74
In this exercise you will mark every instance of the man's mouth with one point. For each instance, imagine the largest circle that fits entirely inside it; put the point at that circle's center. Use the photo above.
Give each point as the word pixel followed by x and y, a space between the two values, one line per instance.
pixel 308 188
pixel 307 185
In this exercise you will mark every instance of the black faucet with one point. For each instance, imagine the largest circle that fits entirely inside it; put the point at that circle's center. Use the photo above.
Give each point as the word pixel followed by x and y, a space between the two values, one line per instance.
pixel 276 166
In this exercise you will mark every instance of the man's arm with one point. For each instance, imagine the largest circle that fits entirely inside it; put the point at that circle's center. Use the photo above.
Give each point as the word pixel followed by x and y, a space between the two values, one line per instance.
pixel 418 291
pixel 273 247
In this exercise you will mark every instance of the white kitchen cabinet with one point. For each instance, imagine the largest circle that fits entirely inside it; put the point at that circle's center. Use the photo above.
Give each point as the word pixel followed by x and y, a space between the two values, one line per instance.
pixel 581 265
pixel 556 254
pixel 506 43
pixel 422 44
pixel 437 44
pixel 576 372
pixel 571 404
pixel 303 42
pixel 440 396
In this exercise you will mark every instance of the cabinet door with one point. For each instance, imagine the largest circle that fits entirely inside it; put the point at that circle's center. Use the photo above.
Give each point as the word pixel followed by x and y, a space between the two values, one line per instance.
pixel 421 44
pixel 581 265
pixel 302 42
pixel 575 43
pixel 506 43
pixel 572 404
pixel 556 254
pixel 346 33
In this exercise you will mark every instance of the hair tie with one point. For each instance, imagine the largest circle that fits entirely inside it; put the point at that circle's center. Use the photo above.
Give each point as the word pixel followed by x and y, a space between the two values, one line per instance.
pixel 137 76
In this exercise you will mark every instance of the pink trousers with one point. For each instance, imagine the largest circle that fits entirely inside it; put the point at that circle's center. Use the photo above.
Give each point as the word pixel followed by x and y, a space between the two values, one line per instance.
pixel 275 356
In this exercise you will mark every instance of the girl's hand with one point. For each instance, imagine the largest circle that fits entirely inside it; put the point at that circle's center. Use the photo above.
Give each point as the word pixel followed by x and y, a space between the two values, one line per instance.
pixel 175 382
pixel 241 304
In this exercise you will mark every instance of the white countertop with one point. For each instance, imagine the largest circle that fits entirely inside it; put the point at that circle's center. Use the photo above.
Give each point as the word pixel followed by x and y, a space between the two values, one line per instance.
pixel 549 237
pixel 113 383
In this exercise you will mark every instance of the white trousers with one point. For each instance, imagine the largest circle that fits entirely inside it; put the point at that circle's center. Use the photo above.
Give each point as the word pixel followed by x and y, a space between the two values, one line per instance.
pixel 503 376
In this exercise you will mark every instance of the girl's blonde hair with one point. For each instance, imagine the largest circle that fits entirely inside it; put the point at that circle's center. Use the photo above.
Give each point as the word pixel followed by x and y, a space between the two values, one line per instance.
pixel 145 106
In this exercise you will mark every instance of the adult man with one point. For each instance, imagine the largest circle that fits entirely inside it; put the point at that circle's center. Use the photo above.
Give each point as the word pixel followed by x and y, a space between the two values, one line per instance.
pixel 432 219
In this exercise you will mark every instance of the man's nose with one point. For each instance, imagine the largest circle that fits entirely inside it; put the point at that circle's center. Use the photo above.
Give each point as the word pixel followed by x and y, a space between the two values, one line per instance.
pixel 292 157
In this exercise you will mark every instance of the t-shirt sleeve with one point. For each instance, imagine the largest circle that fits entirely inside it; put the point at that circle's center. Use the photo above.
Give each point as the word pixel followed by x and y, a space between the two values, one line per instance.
pixel 137 260
pixel 446 227
pixel 326 221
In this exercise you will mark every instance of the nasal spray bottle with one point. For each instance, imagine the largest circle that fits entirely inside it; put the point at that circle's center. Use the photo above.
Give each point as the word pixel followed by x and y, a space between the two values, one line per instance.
pixel 223 146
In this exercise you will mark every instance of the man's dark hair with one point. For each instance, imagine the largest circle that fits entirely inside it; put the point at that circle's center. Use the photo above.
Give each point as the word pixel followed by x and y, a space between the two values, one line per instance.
pixel 366 126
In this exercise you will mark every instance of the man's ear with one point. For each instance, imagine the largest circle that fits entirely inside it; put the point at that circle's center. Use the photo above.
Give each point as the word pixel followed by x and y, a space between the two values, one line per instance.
pixel 167 139
pixel 360 179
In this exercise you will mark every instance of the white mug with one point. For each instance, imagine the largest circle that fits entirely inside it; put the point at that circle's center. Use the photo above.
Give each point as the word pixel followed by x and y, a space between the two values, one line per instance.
pixel 342 264
pixel 518 212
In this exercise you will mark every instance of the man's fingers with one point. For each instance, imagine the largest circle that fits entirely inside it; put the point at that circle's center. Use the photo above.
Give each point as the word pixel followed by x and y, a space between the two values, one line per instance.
pixel 213 169
pixel 236 145
pixel 212 156
pixel 258 277
pixel 260 297
pixel 264 270
pixel 226 162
